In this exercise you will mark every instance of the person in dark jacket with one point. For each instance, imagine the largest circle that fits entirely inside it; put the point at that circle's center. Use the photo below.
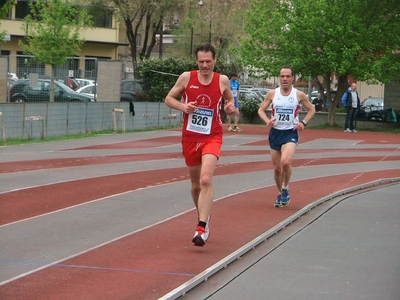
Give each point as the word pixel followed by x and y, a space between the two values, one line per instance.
pixel 351 102
pixel 318 103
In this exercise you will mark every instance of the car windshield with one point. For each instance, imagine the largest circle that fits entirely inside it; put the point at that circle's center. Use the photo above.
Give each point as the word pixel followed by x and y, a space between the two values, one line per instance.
pixel 64 87
pixel 90 89
pixel 373 101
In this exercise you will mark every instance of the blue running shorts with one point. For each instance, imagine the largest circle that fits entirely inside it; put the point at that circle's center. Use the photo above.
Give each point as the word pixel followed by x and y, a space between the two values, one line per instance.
pixel 277 138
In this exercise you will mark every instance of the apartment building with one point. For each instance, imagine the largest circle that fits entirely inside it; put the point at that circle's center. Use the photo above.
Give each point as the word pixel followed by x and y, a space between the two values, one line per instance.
pixel 103 41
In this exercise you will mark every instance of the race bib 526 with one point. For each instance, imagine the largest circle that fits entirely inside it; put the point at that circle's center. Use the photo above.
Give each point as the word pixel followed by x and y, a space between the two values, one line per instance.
pixel 200 121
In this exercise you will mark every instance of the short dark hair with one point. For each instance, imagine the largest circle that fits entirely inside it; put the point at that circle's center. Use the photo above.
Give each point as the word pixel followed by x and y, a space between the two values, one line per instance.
pixel 207 47
pixel 288 67
pixel 234 75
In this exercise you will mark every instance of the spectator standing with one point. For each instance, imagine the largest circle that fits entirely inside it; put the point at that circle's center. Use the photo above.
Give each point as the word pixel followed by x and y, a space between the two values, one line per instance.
pixel 318 102
pixel 202 92
pixel 235 87
pixel 351 102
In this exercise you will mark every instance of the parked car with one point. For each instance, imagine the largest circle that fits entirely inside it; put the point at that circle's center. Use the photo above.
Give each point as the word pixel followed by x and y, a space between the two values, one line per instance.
pixel 372 109
pixel 245 94
pixel 83 81
pixel 373 103
pixel 131 89
pixel 313 95
pixel 24 90
pixel 12 76
pixel 70 82
pixel 262 90
pixel 89 91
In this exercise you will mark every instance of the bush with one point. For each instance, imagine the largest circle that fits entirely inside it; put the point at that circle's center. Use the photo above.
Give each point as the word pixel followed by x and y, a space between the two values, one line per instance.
pixel 159 76
pixel 249 108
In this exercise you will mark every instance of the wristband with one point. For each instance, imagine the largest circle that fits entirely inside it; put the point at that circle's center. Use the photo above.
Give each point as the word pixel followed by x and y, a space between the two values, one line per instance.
pixel 304 123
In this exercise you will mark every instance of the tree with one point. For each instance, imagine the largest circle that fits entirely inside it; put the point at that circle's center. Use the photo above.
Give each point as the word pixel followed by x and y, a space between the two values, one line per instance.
pixel 144 17
pixel 4 10
pixel 360 38
pixel 220 22
pixel 52 32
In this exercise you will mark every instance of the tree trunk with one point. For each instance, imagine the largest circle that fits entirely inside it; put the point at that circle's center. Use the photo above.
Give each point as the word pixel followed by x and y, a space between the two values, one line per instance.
pixel 132 40
pixel 342 87
pixel 158 28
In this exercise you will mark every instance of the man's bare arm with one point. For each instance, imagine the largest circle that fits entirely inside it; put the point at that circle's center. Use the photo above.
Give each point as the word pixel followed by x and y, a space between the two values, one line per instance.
pixel 172 98
pixel 226 91
pixel 264 106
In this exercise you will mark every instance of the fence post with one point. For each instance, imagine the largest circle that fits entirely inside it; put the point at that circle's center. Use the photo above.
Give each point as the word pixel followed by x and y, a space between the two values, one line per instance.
pixel 118 110
pixel 30 119
pixel 3 127
pixel 168 119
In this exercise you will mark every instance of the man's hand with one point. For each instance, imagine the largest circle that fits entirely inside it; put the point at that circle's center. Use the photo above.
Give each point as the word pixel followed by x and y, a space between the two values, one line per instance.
pixel 190 108
pixel 271 123
pixel 229 108
pixel 299 126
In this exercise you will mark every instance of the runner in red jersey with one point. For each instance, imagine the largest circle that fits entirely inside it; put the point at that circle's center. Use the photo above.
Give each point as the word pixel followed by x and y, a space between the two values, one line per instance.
pixel 202 92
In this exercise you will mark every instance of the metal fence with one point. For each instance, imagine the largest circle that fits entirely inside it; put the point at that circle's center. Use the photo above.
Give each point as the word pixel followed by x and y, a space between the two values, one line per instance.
pixel 24 66
pixel 40 120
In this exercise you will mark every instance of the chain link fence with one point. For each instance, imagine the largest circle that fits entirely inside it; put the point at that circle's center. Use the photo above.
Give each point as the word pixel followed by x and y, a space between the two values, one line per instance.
pixel 72 73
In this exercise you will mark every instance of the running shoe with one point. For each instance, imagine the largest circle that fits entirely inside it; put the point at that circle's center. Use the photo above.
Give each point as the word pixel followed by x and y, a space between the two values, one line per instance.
pixel 230 128
pixel 199 238
pixel 348 130
pixel 285 198
pixel 278 202
pixel 207 229
pixel 354 131
pixel 236 128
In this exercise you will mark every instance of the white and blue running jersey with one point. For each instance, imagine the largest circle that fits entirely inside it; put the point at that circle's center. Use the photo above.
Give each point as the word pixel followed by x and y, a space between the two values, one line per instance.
pixel 285 110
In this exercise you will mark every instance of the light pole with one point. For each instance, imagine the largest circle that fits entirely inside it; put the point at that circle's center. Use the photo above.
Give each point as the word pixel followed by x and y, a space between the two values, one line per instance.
pixel 201 3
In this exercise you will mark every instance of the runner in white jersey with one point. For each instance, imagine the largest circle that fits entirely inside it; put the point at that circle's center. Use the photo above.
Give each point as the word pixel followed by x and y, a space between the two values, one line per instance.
pixel 284 127
pixel 285 110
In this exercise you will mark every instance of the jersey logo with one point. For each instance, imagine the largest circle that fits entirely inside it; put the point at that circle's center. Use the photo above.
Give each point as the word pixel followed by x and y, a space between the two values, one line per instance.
pixel 203 100
pixel 194 87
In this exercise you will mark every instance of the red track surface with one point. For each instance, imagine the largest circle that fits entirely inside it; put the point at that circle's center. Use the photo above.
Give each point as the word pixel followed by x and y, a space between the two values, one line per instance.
pixel 152 262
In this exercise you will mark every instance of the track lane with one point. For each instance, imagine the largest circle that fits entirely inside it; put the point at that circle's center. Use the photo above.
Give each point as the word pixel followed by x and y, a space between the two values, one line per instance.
pixel 115 272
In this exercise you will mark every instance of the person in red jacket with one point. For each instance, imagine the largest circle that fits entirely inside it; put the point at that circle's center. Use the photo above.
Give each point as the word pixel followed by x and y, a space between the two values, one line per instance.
pixel 202 92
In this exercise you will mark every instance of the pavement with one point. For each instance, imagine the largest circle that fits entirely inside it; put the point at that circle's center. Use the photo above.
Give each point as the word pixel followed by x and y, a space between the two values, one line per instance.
pixel 111 218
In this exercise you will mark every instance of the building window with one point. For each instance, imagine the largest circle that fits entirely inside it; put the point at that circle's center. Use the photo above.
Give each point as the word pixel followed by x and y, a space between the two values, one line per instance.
pixel 101 16
pixel 8 16
pixel 103 20
pixel 22 10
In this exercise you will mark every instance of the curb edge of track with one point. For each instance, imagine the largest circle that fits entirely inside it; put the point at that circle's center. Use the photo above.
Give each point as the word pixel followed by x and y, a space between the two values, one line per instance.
pixel 223 263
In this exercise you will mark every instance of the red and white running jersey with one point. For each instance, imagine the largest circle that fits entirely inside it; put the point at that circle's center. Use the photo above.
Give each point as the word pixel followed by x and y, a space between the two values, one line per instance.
pixel 205 122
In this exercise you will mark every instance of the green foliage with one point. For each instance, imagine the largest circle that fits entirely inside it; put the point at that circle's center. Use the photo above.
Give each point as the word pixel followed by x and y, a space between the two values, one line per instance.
pixel 53 31
pixel 322 37
pixel 249 108
pixel 4 10
pixel 159 76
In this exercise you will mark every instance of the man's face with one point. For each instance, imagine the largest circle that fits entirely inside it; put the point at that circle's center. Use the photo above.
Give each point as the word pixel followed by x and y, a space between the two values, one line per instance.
pixel 353 86
pixel 205 62
pixel 286 78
